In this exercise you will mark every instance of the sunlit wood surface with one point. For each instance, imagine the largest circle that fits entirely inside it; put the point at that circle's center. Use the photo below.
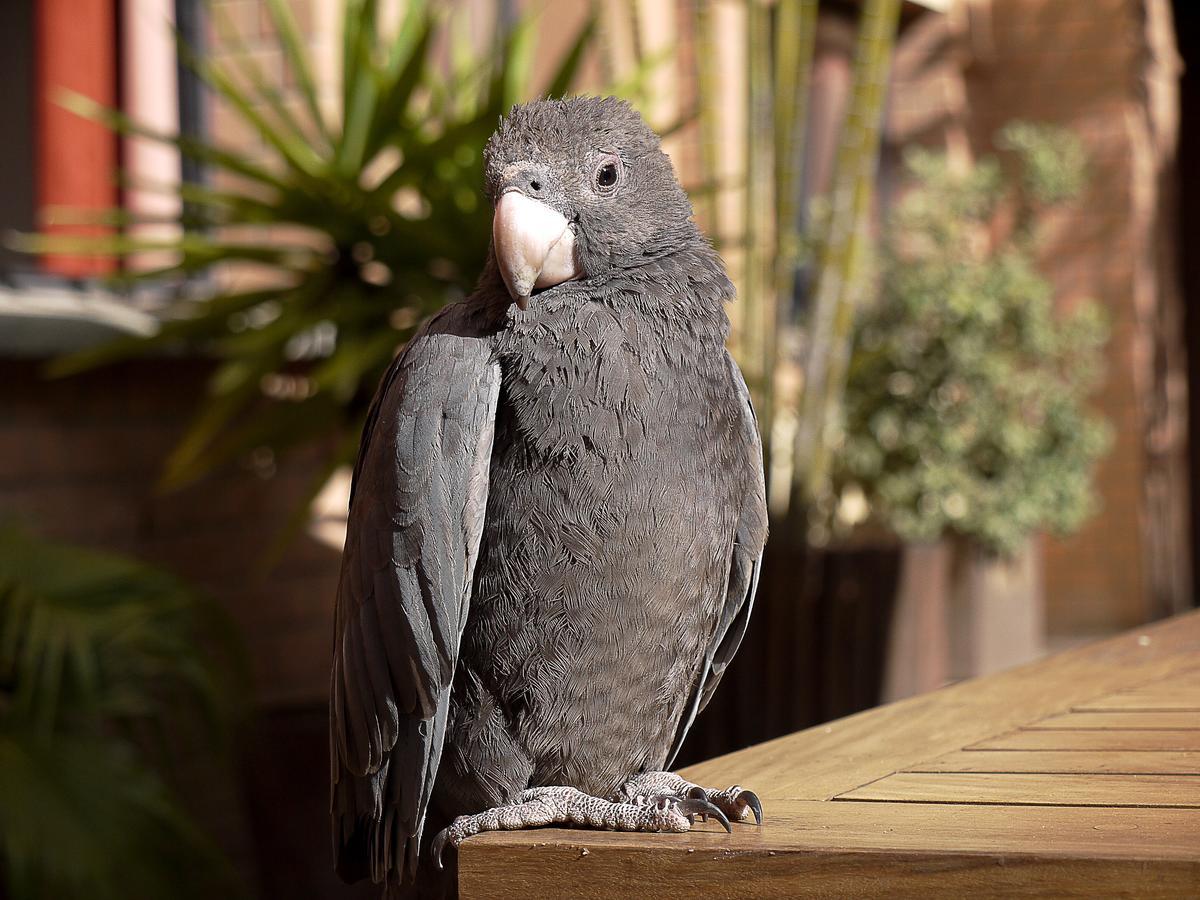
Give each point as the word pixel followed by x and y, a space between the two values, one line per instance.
pixel 1075 776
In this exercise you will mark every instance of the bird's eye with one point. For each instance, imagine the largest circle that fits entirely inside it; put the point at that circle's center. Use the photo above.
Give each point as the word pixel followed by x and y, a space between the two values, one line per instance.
pixel 607 175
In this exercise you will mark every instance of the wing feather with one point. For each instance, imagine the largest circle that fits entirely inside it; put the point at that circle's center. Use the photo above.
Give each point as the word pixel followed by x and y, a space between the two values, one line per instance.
pixel 744 564
pixel 416 515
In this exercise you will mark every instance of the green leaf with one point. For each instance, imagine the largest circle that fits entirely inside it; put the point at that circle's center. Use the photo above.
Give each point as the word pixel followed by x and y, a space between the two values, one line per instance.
pixel 233 390
pixel 280 427
pixel 398 87
pixel 194 245
pixel 293 130
pixel 83 819
pixel 633 86
pixel 357 24
pixel 293 147
pixel 97 650
pixel 302 513
pixel 296 57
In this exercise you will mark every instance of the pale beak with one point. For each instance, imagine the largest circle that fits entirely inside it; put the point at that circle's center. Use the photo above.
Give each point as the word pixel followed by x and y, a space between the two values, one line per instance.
pixel 535 247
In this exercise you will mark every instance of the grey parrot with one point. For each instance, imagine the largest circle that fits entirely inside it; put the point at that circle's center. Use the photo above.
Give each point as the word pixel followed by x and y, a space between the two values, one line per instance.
pixel 556 522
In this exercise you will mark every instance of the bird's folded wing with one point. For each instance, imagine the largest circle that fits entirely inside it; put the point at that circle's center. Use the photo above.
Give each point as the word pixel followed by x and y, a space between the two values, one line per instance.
pixel 744 564
pixel 416 516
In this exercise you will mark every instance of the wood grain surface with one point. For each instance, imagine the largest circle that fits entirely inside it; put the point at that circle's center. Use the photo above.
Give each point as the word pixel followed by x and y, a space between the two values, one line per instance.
pixel 1077 776
pixel 1179 693
pixel 1123 720
pixel 1131 762
pixel 1034 788
pixel 1068 739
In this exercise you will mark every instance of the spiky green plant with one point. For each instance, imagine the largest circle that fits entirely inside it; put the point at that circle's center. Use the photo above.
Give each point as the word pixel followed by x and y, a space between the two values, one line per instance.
pixel 365 219
pixel 100 658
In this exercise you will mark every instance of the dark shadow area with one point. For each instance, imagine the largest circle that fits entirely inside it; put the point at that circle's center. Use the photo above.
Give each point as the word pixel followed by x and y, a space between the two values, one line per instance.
pixel 16 114
pixel 1187 35
pixel 285 759
pixel 814 651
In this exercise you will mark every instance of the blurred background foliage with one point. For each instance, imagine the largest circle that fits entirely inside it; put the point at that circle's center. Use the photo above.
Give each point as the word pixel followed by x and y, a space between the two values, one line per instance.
pixel 966 403
pixel 107 668
pixel 365 222
pixel 370 217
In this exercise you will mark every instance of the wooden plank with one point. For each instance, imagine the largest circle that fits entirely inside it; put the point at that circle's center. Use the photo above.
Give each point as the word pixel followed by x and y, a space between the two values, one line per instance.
pixel 1131 762
pixel 1034 789
pixel 1045 739
pixel 1133 719
pixel 817 826
pixel 1174 700
pixel 552 872
pixel 830 759
pixel 1180 693
pixel 848 848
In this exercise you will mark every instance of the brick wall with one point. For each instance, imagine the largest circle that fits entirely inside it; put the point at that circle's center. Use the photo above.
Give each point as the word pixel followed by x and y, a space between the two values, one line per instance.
pixel 1084 65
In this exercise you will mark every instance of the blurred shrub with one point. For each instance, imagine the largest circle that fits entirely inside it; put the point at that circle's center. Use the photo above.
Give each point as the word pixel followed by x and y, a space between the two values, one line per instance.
pixel 102 662
pixel 965 407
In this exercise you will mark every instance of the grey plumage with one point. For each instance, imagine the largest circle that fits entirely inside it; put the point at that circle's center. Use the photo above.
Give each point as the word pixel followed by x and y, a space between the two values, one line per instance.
pixel 557 515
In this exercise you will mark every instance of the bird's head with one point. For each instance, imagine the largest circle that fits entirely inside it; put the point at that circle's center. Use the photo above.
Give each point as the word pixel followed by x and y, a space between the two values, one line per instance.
pixel 580 188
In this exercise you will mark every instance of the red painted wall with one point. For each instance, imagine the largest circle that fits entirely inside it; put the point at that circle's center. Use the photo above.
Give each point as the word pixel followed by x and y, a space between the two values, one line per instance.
pixel 76 159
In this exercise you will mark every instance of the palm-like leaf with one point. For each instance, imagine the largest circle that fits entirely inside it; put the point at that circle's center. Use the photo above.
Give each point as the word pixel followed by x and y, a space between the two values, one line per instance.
pixel 385 208
pixel 98 657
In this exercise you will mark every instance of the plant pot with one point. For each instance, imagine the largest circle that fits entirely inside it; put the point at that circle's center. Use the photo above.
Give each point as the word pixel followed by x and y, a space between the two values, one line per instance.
pixel 997 610
pixel 960 613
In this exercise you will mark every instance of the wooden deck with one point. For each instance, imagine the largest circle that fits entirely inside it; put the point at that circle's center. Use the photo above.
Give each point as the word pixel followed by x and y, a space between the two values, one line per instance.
pixel 1075 776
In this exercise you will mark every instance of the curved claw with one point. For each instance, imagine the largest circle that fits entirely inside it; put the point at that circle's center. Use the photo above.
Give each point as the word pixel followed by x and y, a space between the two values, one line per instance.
pixel 751 800
pixel 697 807
pixel 438 847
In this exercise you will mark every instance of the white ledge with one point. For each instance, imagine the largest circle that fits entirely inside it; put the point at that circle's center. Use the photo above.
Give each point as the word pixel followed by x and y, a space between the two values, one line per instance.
pixel 39 321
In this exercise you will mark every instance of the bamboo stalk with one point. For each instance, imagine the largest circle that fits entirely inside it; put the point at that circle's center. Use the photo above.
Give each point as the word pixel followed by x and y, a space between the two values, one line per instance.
pixel 727 100
pixel 621 56
pixel 658 36
pixel 795 39
pixel 843 256
pixel 761 310
pixel 705 57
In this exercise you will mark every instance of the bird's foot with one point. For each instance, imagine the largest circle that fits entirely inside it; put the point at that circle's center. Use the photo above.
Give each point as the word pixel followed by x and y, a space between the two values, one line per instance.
pixel 568 806
pixel 738 804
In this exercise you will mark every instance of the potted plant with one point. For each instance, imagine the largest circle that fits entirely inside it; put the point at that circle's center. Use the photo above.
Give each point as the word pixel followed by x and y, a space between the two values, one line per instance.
pixel 966 417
